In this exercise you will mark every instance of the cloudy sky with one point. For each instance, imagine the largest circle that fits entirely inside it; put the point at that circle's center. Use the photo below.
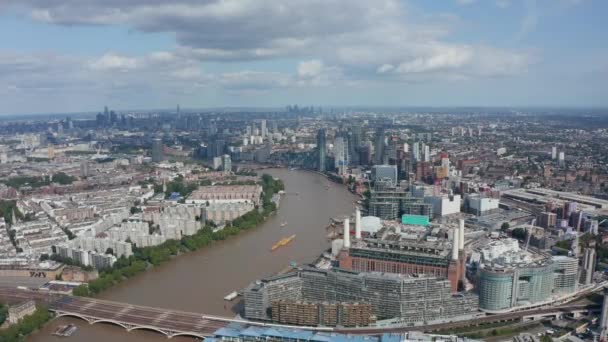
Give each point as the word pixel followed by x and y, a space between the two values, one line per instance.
pixel 78 55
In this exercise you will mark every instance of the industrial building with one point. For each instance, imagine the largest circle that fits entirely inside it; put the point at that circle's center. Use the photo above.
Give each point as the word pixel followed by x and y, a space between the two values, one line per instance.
pixel 391 250
pixel 542 196
pixel 412 299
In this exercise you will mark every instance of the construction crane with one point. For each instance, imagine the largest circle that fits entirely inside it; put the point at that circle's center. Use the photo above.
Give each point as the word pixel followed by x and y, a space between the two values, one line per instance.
pixel 528 233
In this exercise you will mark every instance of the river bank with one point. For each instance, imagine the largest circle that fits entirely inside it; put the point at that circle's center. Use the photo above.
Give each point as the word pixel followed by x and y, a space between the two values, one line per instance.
pixel 198 281
pixel 144 259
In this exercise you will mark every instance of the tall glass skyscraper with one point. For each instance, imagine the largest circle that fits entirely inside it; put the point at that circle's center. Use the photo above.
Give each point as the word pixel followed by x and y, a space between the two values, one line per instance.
pixel 379 148
pixel 321 150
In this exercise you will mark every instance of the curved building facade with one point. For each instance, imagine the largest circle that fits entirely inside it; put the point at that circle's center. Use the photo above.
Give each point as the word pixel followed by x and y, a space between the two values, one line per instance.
pixel 495 289
pixel 504 287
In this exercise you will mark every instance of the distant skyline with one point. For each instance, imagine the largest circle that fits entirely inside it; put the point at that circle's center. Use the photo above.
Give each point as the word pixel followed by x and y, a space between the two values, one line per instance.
pixel 79 55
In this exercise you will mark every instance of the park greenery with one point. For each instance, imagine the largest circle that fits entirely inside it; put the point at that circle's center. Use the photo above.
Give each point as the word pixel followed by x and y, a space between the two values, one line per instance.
pixel 39 181
pixel 29 324
pixel 6 211
pixel 3 313
pixel 143 258
pixel 177 185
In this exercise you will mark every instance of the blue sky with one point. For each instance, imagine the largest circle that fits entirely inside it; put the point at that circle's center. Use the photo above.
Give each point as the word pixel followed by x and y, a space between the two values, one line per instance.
pixel 79 55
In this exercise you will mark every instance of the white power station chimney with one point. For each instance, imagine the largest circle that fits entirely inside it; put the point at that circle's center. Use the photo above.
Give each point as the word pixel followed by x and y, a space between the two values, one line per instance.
pixel 461 235
pixel 346 233
pixel 357 223
pixel 455 245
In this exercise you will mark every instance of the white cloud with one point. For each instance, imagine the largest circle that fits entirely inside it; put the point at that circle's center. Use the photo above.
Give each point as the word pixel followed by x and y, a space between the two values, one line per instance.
pixel 338 43
pixel 310 69
pixel 112 61
pixel 384 68
pixel 384 32
pixel 442 59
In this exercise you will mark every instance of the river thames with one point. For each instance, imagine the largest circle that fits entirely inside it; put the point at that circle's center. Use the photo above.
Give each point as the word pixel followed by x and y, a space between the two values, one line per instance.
pixel 198 281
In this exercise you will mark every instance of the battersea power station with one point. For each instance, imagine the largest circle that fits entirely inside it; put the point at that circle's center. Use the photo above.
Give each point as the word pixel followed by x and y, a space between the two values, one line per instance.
pixel 404 273
pixel 387 251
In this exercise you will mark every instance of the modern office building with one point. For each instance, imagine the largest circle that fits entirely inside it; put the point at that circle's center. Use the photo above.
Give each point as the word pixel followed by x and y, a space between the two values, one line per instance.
pixel 510 277
pixel 263 128
pixel 389 202
pixel 321 150
pixel 588 266
pixel 416 151
pixel 379 146
pixel 157 150
pixel 226 163
pixel 565 274
pixel 547 220
pixel 355 142
pixel 385 173
pixel 408 298
pixel 341 155
pixel 561 158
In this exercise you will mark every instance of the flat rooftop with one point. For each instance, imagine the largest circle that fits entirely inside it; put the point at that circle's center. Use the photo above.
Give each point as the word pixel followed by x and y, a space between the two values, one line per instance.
pixel 204 191
pixel 542 196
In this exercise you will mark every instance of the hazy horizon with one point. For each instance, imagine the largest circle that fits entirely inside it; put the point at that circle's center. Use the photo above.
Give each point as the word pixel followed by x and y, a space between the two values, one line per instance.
pixel 67 56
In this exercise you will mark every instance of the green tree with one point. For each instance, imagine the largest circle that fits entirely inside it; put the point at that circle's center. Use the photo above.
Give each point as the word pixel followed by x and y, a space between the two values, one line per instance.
pixel 81 290
pixel 519 233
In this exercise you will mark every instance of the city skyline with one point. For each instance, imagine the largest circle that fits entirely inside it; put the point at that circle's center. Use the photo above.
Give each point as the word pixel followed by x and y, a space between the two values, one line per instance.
pixel 75 56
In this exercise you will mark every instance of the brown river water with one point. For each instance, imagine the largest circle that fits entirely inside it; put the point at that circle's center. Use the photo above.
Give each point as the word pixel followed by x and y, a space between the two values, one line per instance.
pixel 198 281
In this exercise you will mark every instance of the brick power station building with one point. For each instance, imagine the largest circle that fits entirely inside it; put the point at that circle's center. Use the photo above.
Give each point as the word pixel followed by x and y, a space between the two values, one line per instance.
pixel 392 254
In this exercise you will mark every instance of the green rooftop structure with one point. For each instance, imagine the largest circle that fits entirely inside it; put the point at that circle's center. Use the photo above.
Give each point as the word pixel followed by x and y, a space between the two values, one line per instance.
pixel 419 220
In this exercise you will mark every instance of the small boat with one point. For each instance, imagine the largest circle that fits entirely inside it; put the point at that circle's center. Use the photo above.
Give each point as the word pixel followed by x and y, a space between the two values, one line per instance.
pixel 65 330
pixel 231 296
pixel 283 242
pixel 283 224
